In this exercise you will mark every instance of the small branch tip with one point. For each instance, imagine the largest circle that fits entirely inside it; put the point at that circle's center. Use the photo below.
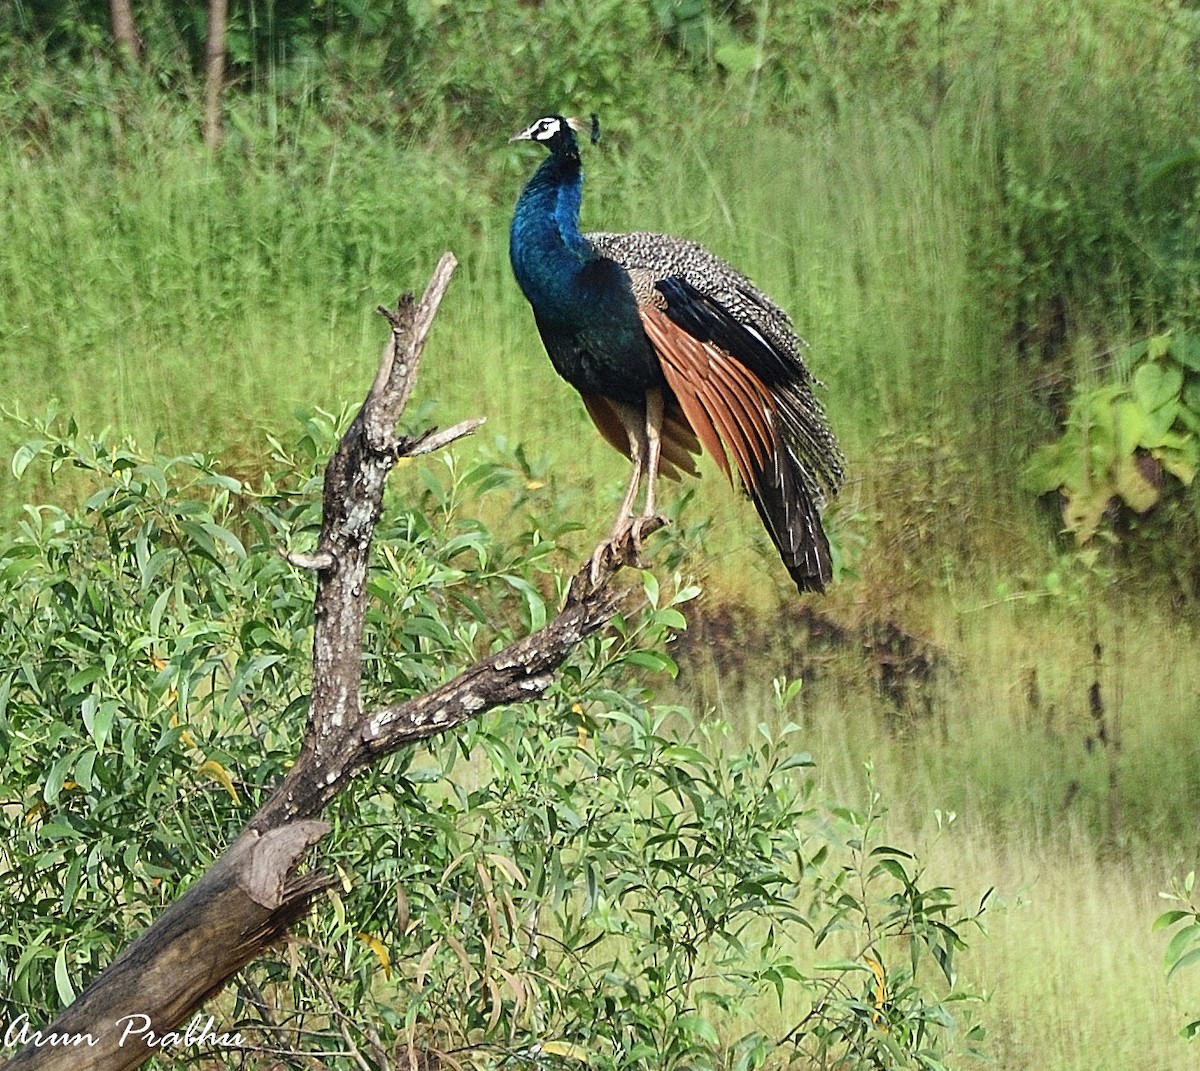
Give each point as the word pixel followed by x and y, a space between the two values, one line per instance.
pixel 433 439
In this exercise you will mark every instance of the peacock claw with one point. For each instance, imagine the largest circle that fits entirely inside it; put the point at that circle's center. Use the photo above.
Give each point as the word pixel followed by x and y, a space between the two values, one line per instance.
pixel 624 545
pixel 639 528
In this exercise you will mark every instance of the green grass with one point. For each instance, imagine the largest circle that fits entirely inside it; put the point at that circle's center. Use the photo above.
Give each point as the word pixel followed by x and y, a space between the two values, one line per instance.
pixel 201 302
pixel 1000 728
pixel 1070 969
pixel 1071 972
pixel 150 286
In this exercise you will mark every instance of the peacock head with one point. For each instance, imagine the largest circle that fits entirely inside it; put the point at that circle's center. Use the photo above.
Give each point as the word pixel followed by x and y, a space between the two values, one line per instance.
pixel 557 132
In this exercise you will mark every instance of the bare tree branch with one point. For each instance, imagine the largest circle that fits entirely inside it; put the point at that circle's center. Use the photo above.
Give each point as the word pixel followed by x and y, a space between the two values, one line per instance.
pixel 251 895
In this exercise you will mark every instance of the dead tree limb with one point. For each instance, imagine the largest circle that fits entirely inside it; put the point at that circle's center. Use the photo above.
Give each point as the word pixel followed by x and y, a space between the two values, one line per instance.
pixel 251 895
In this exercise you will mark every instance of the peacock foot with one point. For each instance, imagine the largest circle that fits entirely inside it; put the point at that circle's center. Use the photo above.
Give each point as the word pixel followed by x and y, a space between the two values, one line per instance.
pixel 624 545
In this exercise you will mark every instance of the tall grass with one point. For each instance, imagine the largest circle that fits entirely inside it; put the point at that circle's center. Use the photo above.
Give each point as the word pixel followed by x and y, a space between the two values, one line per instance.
pixel 1008 756
pixel 191 298
pixel 996 718
pixel 203 299
pixel 944 221
pixel 1070 970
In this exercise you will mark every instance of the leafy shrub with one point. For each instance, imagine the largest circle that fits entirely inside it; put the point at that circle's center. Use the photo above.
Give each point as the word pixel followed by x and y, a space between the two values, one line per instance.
pixel 590 877
pixel 1122 439
pixel 1183 950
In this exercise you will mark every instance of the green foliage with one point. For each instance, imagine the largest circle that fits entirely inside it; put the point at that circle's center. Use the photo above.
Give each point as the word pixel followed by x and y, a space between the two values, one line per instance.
pixel 594 877
pixel 473 64
pixel 934 190
pixel 572 55
pixel 1183 950
pixel 139 643
pixel 1122 437
pixel 1094 227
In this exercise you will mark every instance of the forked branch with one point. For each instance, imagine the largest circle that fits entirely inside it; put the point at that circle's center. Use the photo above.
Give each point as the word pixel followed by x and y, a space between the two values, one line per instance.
pixel 252 894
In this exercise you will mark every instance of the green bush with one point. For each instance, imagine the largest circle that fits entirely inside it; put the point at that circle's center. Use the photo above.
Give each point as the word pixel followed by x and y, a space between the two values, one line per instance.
pixel 1183 950
pixel 1123 438
pixel 586 878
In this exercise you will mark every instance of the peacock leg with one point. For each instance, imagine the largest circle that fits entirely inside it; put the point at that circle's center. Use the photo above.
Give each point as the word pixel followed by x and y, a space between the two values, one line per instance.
pixel 644 428
pixel 654 423
pixel 635 428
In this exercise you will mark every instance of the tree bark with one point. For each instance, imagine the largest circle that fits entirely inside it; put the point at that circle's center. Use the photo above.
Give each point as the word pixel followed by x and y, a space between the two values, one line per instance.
pixel 250 896
pixel 240 906
pixel 129 45
pixel 214 71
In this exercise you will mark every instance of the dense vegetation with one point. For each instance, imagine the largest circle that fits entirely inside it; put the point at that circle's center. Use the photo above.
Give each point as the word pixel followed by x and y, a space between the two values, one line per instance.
pixel 985 218
pixel 969 208
pixel 591 878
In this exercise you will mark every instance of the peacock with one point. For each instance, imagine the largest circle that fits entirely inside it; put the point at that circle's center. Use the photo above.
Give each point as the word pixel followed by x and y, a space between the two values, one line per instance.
pixel 674 352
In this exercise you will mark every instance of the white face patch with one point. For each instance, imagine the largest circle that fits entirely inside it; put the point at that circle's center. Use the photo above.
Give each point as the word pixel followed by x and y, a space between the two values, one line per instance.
pixel 545 129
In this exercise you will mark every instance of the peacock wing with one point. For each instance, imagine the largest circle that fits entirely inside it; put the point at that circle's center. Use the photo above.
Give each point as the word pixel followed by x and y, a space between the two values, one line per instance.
pixel 734 413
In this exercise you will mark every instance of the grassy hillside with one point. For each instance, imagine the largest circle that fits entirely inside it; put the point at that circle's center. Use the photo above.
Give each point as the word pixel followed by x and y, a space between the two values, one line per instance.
pixel 967 207
pixel 953 201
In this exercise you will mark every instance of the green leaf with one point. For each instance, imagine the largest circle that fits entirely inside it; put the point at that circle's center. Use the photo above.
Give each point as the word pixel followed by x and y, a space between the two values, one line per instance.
pixel 1130 425
pixel 102 722
pixel 699 1027
pixel 895 868
pixel 155 476
pixel 62 980
pixel 55 778
pixel 24 454
pixel 1155 385
pixel 83 769
pixel 738 58
pixel 650 587
pixel 79 681
pixel 671 619
pixel 1185 348
pixel 1127 358
pixel 1184 961
pixel 838 965
pixel 1158 425
pixel 1045 470
pixel 1182 461
pixel 1157 347
pixel 200 536
pixel 535 605
pixel 655 661
pixel 1168 918
pixel 1189 407
pixel 1182 939
pixel 224 535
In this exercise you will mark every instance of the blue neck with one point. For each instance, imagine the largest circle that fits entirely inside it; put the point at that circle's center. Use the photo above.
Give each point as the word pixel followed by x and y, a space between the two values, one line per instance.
pixel 545 246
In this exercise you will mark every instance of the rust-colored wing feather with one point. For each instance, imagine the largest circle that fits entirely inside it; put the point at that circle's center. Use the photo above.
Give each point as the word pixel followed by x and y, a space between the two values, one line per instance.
pixel 679 441
pixel 732 412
